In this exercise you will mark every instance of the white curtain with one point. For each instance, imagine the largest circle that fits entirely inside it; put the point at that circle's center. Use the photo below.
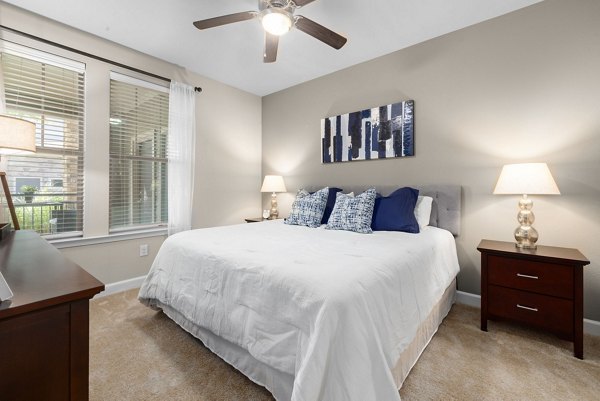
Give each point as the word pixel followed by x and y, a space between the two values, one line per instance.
pixel 182 145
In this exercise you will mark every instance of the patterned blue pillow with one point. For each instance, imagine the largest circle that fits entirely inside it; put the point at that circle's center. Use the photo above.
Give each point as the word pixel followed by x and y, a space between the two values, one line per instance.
pixel 330 203
pixel 353 213
pixel 307 209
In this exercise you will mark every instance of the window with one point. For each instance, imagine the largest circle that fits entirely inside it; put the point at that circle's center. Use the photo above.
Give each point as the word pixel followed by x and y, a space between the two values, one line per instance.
pixel 139 114
pixel 49 91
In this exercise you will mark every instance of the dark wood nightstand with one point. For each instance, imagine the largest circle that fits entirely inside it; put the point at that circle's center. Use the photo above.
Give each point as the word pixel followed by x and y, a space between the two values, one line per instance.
pixel 542 288
pixel 254 220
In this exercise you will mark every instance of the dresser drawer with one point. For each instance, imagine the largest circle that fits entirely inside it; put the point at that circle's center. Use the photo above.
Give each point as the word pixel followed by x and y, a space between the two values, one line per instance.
pixel 546 312
pixel 543 278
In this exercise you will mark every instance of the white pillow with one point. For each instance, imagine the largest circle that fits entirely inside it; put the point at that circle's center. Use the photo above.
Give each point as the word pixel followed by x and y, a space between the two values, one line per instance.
pixel 423 210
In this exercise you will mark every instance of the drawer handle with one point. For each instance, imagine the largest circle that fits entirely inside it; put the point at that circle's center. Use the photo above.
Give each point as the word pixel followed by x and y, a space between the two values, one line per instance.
pixel 527 276
pixel 527 308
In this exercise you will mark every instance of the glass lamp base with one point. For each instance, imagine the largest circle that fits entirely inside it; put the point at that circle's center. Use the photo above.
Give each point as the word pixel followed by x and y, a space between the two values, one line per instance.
pixel 274 211
pixel 526 246
pixel 526 237
pixel 525 234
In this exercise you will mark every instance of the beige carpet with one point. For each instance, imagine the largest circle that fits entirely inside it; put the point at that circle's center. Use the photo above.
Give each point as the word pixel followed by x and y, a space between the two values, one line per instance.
pixel 139 354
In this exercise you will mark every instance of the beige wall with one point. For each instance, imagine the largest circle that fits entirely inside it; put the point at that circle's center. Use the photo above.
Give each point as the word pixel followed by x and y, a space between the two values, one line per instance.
pixel 522 87
pixel 228 150
pixel 115 261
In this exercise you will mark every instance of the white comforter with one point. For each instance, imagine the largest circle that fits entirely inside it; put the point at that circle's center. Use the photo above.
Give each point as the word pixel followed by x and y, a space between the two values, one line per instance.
pixel 332 308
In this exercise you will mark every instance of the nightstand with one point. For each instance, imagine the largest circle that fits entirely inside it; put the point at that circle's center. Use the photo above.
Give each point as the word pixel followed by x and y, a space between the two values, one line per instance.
pixel 541 287
pixel 254 220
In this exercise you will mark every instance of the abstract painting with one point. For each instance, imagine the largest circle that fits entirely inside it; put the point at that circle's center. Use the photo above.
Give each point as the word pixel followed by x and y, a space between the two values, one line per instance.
pixel 380 133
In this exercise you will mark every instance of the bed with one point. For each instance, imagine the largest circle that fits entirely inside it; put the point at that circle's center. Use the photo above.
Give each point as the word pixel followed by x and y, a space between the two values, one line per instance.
pixel 309 313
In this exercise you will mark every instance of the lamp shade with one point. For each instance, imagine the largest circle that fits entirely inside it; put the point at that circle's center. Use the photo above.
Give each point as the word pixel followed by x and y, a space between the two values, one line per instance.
pixel 526 179
pixel 273 183
pixel 16 135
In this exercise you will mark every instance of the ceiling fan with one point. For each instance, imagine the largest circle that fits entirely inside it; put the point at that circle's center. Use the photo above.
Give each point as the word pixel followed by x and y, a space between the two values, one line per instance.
pixel 277 17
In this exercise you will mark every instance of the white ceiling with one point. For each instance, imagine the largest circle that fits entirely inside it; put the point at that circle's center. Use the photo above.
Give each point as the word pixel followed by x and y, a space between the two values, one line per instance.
pixel 233 53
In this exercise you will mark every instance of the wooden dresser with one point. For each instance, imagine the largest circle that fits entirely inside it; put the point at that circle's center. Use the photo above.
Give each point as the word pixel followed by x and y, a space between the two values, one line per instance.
pixel 44 328
pixel 542 288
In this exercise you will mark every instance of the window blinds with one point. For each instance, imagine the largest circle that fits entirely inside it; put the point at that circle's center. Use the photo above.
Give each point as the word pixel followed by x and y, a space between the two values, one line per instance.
pixel 138 154
pixel 47 187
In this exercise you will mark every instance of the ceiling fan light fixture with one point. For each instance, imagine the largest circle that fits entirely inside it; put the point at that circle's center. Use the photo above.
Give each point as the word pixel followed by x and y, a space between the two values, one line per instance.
pixel 276 21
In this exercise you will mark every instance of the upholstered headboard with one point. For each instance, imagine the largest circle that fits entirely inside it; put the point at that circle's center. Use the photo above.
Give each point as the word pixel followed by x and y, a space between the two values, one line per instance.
pixel 446 209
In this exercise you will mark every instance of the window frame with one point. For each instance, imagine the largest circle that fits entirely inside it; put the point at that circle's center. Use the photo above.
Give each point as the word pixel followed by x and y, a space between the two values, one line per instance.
pixel 141 229
pixel 48 59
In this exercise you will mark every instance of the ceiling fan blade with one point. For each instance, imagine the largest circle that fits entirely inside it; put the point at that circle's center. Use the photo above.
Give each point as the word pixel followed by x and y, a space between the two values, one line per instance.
pixel 271 44
pixel 224 19
pixel 320 32
pixel 302 3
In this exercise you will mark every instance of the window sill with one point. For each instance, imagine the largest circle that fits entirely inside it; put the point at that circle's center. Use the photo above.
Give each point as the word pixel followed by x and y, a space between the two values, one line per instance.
pixel 103 239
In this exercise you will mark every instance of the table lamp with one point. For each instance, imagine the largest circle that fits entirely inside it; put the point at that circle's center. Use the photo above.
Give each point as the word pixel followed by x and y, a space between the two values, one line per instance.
pixel 273 184
pixel 526 179
pixel 17 136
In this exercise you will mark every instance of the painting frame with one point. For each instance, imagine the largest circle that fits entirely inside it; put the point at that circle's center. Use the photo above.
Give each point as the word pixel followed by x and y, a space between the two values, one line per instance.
pixel 384 132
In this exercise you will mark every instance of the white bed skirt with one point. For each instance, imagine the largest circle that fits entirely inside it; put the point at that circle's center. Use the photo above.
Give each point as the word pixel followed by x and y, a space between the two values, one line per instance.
pixel 280 384
pixel 408 357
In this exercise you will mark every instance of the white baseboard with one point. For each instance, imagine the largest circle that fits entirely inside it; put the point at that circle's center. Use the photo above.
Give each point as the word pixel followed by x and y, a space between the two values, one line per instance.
pixel 121 286
pixel 466 298
pixel 589 326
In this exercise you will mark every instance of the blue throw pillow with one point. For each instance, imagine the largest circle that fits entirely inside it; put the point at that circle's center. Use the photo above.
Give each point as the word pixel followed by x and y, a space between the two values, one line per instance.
pixel 307 209
pixel 353 213
pixel 396 212
pixel 330 203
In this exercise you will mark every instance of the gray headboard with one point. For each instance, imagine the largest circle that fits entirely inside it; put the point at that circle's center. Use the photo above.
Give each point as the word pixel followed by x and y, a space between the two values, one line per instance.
pixel 446 209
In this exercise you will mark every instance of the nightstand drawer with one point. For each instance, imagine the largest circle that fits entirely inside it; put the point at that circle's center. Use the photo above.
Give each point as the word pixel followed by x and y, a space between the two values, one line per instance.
pixel 543 278
pixel 546 312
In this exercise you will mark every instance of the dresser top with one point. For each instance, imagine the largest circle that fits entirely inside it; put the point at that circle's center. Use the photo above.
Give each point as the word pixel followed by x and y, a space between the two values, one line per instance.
pixel 39 275
pixel 542 251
